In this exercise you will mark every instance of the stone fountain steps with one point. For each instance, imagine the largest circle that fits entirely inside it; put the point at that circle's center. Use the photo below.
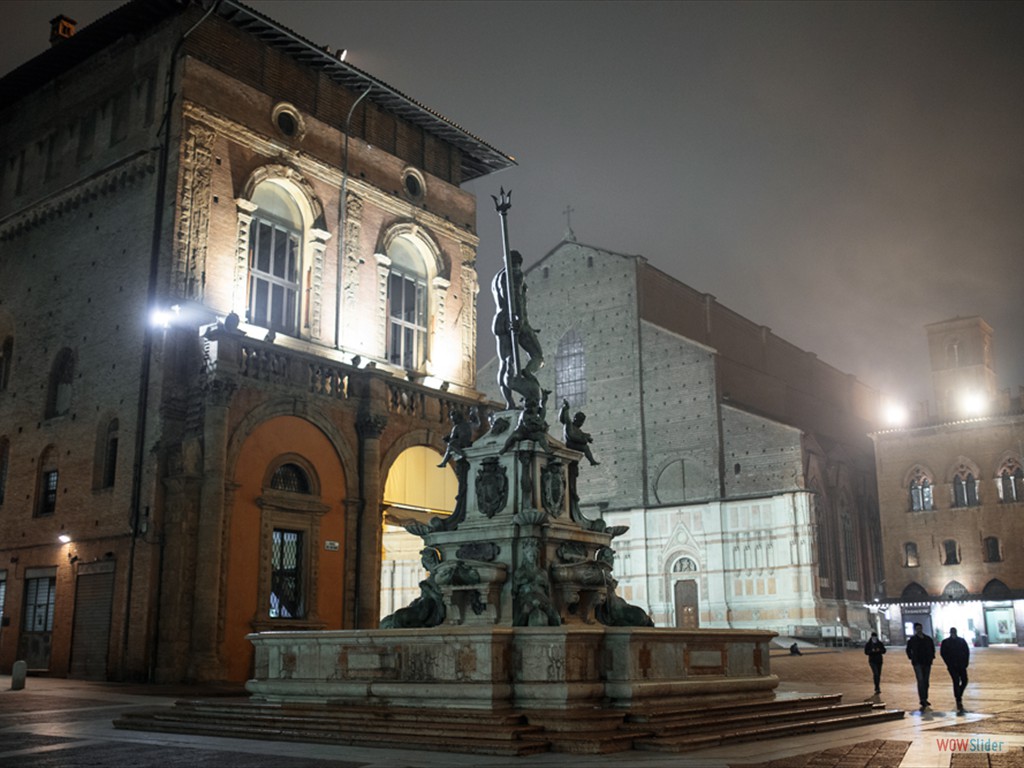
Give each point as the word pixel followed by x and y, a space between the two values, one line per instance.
pixel 434 730
pixel 716 728
pixel 507 733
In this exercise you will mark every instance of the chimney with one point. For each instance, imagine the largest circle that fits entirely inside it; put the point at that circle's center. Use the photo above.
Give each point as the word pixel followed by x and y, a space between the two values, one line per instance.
pixel 61 28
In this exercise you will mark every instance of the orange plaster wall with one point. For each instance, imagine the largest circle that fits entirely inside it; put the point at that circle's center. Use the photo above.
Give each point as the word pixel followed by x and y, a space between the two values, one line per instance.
pixel 280 435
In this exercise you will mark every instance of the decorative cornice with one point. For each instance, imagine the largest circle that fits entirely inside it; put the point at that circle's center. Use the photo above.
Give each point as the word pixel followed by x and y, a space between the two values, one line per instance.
pixel 126 172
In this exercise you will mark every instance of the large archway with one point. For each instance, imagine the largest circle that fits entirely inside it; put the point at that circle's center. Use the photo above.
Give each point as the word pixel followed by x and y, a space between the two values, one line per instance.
pixel 285 558
pixel 415 489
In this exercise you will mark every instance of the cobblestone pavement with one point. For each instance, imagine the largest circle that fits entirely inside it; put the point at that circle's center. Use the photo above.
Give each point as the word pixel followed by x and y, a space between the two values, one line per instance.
pixel 59 723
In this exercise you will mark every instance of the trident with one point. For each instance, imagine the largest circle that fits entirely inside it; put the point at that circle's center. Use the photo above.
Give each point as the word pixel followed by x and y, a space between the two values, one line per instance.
pixel 502 204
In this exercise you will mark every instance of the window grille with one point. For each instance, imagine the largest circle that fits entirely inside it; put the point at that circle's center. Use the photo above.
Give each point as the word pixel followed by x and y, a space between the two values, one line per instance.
pixel 291 478
pixel 286 583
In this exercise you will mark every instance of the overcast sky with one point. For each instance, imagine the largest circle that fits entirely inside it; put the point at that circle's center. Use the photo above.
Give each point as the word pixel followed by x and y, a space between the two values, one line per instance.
pixel 844 173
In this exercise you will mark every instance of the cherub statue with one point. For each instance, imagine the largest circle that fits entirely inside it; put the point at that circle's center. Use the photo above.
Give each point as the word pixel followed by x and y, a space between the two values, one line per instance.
pixel 532 424
pixel 573 435
pixel 461 436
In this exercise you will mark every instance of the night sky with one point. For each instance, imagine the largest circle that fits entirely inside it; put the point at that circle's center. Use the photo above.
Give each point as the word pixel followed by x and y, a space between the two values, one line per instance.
pixel 842 173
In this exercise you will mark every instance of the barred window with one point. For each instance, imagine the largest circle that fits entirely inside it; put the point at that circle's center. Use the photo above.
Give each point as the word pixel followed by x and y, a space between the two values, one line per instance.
pixel 571 370
pixel 290 477
pixel 286 576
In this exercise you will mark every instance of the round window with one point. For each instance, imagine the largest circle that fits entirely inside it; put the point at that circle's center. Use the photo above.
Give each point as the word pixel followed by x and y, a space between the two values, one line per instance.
pixel 413 184
pixel 288 121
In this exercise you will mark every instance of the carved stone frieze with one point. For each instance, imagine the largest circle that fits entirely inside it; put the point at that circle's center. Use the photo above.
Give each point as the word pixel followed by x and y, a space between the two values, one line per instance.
pixel 318 248
pixel 245 210
pixel 351 257
pixel 195 194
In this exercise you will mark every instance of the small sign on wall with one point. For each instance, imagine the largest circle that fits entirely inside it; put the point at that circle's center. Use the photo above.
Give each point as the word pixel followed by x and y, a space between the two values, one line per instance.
pixel 332 546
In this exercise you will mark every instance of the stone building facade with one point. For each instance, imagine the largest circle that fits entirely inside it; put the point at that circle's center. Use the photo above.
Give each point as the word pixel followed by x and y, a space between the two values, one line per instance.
pixel 237 287
pixel 951 489
pixel 740 463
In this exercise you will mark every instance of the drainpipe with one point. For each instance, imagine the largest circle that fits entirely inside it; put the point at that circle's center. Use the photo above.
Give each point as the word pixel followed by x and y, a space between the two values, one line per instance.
pixel 341 219
pixel 148 340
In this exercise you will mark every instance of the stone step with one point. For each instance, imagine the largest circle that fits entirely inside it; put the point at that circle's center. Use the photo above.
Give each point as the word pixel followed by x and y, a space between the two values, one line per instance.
pixel 507 733
pixel 503 735
pixel 682 712
pixel 717 721
pixel 686 743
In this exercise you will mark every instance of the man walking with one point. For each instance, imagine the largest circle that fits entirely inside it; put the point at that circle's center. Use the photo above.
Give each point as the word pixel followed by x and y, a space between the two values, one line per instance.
pixel 921 652
pixel 957 655
pixel 874 649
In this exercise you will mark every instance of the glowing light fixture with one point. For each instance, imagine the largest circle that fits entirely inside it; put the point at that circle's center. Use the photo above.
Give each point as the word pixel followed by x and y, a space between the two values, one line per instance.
pixel 64 539
pixel 161 318
pixel 895 414
pixel 972 403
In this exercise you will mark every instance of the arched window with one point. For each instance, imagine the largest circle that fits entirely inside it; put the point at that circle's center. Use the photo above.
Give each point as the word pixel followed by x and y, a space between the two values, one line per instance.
pixel 290 477
pixel 921 491
pixel 950 552
pixel 965 488
pixel 1010 482
pixel 571 370
pixel 990 548
pixel 684 565
pixel 275 260
pixel 910 558
pixel 407 305
pixel 6 362
pixel 46 501
pixel 62 374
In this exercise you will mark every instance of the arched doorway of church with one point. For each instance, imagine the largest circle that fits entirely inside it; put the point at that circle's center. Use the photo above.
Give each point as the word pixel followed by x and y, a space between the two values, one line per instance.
pixel 415 489
pixel 284 561
pixel 685 593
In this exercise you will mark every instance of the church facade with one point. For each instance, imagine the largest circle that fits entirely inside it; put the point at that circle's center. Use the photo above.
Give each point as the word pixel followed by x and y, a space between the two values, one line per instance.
pixel 740 463
pixel 951 488
pixel 239 301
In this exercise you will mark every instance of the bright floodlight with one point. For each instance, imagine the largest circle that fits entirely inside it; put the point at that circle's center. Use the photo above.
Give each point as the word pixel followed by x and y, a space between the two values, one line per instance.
pixel 64 539
pixel 895 414
pixel 972 403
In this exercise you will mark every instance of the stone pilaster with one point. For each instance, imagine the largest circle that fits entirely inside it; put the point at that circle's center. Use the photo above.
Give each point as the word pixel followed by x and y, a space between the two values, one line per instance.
pixel 204 663
pixel 368 530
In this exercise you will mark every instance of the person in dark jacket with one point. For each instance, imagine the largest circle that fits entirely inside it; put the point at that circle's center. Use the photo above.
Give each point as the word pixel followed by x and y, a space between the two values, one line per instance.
pixel 874 649
pixel 957 655
pixel 921 652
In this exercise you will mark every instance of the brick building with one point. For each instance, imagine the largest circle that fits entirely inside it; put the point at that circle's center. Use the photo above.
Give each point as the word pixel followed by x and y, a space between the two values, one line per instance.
pixel 740 462
pixel 297 230
pixel 951 490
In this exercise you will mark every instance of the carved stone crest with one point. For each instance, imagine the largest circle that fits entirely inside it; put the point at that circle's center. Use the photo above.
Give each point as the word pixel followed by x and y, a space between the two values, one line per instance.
pixel 552 487
pixel 491 487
